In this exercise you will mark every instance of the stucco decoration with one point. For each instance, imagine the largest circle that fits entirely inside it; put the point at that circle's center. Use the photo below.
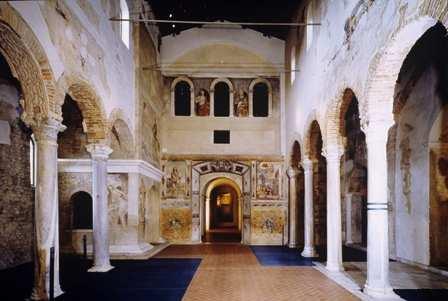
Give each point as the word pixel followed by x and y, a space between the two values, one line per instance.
pixel 268 180
pixel 118 200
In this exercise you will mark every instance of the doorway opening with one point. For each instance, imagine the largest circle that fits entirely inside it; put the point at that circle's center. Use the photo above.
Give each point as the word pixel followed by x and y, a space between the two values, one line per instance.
pixel 222 211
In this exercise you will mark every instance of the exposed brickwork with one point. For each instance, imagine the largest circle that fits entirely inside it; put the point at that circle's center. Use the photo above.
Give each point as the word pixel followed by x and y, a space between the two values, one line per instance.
pixel 16 200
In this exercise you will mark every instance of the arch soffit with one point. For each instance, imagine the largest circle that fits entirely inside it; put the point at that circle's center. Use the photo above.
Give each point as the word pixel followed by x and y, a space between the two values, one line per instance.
pixel 221 79
pixel 90 104
pixel 218 181
pixel 180 79
pixel 29 64
pixel 386 64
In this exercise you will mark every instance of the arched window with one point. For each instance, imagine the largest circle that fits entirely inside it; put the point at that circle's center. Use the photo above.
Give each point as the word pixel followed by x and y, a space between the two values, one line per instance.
pixel 260 100
pixel 309 28
pixel 124 25
pixel 82 210
pixel 293 64
pixel 221 100
pixel 182 99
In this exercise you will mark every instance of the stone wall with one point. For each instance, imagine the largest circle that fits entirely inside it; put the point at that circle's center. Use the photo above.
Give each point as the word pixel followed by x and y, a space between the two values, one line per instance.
pixel 16 193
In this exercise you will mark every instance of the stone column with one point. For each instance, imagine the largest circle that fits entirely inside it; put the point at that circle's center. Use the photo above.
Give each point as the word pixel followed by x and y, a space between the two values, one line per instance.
pixel 46 208
pixel 308 250
pixel 377 284
pixel 348 219
pixel 101 260
pixel 292 173
pixel 333 155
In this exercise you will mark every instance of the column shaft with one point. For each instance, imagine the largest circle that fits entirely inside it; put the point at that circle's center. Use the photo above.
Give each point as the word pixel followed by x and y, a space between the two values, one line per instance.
pixel 348 219
pixel 46 208
pixel 334 222
pixel 292 174
pixel 308 250
pixel 101 260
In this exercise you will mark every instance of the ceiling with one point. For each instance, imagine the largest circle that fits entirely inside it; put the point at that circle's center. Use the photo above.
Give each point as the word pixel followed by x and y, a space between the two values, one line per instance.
pixel 229 10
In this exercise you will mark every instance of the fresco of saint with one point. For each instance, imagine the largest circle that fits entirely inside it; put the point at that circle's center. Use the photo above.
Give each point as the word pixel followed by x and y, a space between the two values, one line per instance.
pixel 241 104
pixel 202 103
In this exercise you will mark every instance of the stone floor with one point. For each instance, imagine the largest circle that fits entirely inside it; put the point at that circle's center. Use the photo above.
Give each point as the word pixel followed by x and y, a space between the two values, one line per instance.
pixel 232 272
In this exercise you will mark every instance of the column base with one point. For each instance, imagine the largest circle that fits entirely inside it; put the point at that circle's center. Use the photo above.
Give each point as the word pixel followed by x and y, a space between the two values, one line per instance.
pixel 334 267
pixel 37 295
pixel 292 245
pixel 100 269
pixel 309 252
pixel 381 292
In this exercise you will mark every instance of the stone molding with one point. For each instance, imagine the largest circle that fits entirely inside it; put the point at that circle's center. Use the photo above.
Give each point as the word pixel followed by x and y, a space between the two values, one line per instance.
pixel 113 166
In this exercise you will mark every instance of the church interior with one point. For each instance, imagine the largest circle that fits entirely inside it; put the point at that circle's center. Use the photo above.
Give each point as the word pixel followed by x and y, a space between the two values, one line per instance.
pixel 224 150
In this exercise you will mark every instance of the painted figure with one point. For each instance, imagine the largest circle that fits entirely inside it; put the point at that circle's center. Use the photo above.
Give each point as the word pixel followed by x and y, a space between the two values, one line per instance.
pixel 242 104
pixel 202 103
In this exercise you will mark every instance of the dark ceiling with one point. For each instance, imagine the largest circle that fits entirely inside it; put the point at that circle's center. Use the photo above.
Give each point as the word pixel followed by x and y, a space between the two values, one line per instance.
pixel 229 10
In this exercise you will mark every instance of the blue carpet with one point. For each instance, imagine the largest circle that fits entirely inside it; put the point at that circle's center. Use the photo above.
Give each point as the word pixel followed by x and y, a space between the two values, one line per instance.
pixel 280 256
pixel 153 279
pixel 422 294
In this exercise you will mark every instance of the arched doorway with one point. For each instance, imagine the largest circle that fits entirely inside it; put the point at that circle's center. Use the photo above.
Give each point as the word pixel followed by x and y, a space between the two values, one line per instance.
pixel 222 211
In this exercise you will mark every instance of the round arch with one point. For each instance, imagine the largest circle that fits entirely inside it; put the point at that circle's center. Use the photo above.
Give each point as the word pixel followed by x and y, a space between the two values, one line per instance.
pixel 260 80
pixel 192 93
pixel 29 64
pixel 121 140
pixel 212 183
pixel 312 119
pixel 212 94
pixel 91 106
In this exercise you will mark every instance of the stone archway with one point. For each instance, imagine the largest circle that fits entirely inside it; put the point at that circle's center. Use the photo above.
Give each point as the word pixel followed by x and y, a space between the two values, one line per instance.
pixel 215 210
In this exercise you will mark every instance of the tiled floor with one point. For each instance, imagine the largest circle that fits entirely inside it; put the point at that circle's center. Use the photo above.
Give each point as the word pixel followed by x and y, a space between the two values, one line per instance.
pixel 232 272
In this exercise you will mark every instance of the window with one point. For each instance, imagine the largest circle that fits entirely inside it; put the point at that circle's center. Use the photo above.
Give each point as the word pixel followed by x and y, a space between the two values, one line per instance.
pixel 221 100
pixel 221 137
pixel 124 25
pixel 260 100
pixel 33 160
pixel 309 29
pixel 293 64
pixel 182 99
pixel 82 210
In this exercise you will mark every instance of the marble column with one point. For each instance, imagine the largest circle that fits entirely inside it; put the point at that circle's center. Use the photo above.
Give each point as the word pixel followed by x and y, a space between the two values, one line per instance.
pixel 308 250
pixel 292 173
pixel 333 155
pixel 101 260
pixel 46 208
pixel 348 219
pixel 377 284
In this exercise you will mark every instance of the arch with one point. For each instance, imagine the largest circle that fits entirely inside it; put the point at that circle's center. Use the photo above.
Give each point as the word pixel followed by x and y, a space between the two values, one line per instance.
pixel 312 118
pixel 386 65
pixel 215 182
pixel 82 213
pixel 29 64
pixel 212 94
pixel 119 130
pixel 251 95
pixel 335 116
pixel 295 138
pixel 173 88
pixel 91 106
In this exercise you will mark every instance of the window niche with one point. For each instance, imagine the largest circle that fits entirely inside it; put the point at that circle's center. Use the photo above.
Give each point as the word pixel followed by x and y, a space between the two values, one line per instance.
pixel 222 92
pixel 182 94
pixel 260 98
pixel 82 210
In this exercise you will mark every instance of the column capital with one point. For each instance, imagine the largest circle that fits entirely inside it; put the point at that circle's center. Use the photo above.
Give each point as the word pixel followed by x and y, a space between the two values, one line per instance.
pixel 48 130
pixel 377 130
pixel 99 151
pixel 333 152
pixel 307 164
pixel 292 172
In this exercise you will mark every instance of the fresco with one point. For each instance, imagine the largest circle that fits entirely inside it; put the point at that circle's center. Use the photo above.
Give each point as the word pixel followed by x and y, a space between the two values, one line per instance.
pixel 268 180
pixel 241 103
pixel 176 224
pixel 267 225
pixel 176 179
pixel 202 103
pixel 151 142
